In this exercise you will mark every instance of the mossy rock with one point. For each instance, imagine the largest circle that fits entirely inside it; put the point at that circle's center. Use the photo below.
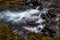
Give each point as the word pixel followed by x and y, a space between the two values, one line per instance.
pixel 47 38
pixel 33 36
pixel 7 34
pixel 19 38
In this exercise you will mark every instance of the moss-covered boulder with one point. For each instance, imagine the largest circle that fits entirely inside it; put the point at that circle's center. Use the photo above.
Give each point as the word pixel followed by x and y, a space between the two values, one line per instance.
pixel 7 34
pixel 33 36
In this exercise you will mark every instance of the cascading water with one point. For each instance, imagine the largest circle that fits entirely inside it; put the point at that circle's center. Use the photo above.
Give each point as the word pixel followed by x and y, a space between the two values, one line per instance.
pixel 22 17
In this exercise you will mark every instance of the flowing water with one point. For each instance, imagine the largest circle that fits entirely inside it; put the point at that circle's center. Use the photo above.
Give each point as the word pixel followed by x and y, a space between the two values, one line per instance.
pixel 24 16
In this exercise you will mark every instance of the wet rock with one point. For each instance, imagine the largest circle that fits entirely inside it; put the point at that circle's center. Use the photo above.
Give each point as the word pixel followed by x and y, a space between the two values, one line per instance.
pixel 32 23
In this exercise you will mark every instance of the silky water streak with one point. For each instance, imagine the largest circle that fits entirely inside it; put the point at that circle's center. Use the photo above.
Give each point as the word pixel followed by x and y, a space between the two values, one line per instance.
pixel 22 17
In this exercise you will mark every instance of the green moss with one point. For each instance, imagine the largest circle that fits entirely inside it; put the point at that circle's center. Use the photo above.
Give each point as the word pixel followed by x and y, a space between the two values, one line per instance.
pixel 7 34
pixel 33 36
pixel 19 38
pixel 46 38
